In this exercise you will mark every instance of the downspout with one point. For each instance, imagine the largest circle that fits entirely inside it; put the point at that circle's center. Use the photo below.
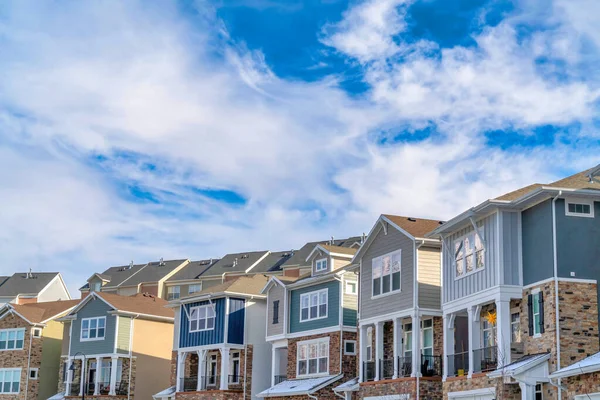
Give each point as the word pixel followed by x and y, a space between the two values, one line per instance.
pixel 246 350
pixel 416 301
pixel 29 364
pixel 556 311
pixel 130 356
pixel 312 397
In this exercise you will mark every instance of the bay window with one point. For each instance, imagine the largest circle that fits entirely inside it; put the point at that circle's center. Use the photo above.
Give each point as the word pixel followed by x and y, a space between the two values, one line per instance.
pixel 386 273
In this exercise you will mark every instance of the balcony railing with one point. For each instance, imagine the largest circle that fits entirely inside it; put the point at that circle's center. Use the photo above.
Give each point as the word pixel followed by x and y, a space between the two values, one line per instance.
pixel 458 364
pixel 386 368
pixel 74 389
pixel 485 359
pixel 431 365
pixel 189 384
pixel 369 371
pixel 280 378
pixel 404 367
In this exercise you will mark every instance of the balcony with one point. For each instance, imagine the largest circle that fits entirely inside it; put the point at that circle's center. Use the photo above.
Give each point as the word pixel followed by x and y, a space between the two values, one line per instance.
pixel 369 371
pixel 280 378
pixel 458 364
pixel 210 382
pixel 404 367
pixel 431 365
pixel 485 359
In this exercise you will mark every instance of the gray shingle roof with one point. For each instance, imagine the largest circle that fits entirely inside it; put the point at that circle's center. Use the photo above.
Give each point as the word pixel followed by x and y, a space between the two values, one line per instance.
pixel 299 257
pixel 193 270
pixel 3 279
pixel 20 284
pixel 272 262
pixel 243 262
pixel 119 274
pixel 153 272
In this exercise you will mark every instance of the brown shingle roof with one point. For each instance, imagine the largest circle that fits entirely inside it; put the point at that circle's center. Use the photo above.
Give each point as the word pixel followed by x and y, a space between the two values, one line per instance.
pixel 138 304
pixel 338 249
pixel 39 312
pixel 251 285
pixel 417 227
pixel 515 194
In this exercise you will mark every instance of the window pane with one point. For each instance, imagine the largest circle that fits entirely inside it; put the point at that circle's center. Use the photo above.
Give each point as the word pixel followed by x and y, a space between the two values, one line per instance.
pixel 193 325
pixel 201 324
pixel 536 303
pixel 93 323
pixel 376 287
pixel 101 323
pixel 376 268
pixel 19 344
pixel 85 324
pixel 386 284
pixel 20 335
pixel 323 310
pixel 85 334
pixel 3 345
pixel 210 323
pixel 302 352
pixel 323 298
pixel 194 313
pixel 202 312
pixel 101 332
pixel 302 368
pixel 323 349
pixel 92 333
pixel 314 299
pixel 323 365
pixel 12 335
pixel 312 366
pixel 396 281
pixel 6 387
pixel 586 209
pixel 460 268
pixel 386 265
pixel 313 312
pixel 11 344
pixel 304 313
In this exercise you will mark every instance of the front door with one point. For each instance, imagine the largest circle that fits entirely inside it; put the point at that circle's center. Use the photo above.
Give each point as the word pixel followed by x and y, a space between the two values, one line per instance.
pixel 91 378
pixel 212 370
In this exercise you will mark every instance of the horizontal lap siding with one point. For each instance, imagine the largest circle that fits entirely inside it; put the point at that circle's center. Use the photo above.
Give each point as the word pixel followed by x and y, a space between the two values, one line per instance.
pixel 383 244
pixel 123 335
pixel 350 302
pixel 235 327
pixel 430 290
pixel 214 336
pixel 276 293
pixel 333 308
pixel 94 308
pixel 488 277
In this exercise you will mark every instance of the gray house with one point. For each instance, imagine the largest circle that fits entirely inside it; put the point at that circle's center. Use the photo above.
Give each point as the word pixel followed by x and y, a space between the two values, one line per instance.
pixel 520 289
pixel 400 308
pixel 33 287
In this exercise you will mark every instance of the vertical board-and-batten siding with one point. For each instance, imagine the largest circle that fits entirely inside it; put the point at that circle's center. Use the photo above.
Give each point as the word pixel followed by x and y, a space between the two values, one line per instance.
pixel 333 307
pixel 214 336
pixel 95 307
pixel 510 247
pixel 380 245
pixel 276 293
pixel 123 334
pixel 350 301
pixel 482 279
pixel 429 278
pixel 235 327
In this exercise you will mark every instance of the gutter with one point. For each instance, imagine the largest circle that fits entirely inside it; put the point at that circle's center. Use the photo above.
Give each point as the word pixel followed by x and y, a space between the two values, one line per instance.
pixel 416 306
pixel 557 309
pixel 130 356
pixel 29 364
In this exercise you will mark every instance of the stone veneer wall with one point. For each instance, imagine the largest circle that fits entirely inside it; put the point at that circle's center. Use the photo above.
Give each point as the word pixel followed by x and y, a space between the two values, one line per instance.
pixel 19 358
pixel 438 336
pixel 481 381
pixel 582 384
pixel 349 362
pixel 429 388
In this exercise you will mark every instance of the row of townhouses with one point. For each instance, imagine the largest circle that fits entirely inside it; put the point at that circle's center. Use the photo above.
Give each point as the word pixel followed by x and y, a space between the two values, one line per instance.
pixel 499 302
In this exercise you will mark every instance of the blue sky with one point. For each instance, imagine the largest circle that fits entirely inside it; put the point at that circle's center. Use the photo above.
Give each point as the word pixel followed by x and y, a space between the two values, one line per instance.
pixel 196 128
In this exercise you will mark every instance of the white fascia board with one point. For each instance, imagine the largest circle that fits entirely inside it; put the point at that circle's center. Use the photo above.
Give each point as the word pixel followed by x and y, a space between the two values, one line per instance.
pixel 257 261
pixel 499 292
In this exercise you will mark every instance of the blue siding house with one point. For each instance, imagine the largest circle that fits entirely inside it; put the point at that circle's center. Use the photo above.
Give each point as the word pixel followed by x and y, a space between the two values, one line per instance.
pixel 219 336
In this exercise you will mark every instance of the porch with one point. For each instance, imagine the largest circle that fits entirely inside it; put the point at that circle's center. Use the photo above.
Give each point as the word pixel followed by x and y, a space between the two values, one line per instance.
pixel 102 376
pixel 390 349
pixel 210 369
pixel 279 364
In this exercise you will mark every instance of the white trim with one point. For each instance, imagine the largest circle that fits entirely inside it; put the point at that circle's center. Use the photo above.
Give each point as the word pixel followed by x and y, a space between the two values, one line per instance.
pixel 97 338
pixel 257 262
pixel 310 295
pixel 37 374
pixel 333 328
pixel 392 291
pixel 33 335
pixel 16 330
pixel 320 261
pixel 570 280
pixel 500 292
pixel 12 370
pixel 574 200
pixel 307 343
pixel 355 283
pixel 471 393
pixel 206 318
pixel 348 353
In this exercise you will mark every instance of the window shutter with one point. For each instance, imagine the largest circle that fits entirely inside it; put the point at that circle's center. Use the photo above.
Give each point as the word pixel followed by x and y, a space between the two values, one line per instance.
pixel 276 312
pixel 541 312
pixel 530 313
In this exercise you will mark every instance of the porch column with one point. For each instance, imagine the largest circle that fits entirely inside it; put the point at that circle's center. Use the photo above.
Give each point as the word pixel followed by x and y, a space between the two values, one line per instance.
pixel 97 377
pixel 503 333
pixel 114 363
pixel 180 370
pixel 274 364
pixel 362 352
pixel 201 369
pixel 527 391
pixel 474 335
pixel 83 375
pixel 225 368
pixel 69 377
pixel 416 345
pixel 397 346
pixel 378 349
pixel 448 334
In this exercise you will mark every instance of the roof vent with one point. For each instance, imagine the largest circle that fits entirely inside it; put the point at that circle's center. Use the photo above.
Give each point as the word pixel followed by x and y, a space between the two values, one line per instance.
pixel 235 262
pixel 130 265
pixel 29 275
pixel 363 238
pixel 412 219
pixel 245 256
pixel 161 263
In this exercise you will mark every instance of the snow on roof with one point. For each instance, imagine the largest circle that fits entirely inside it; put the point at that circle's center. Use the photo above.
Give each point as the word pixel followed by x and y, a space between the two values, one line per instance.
pixel 520 366
pixel 58 396
pixel 168 392
pixel 299 387
pixel 349 386
pixel 585 366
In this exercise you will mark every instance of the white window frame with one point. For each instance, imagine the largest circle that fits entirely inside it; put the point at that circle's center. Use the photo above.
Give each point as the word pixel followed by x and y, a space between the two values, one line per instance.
pixel 3 372
pixel 36 332
pixel 535 298
pixel 585 202
pixel 88 339
pixel 37 373
pixel 308 343
pixel 351 288
pixel 321 265
pixel 540 391
pixel 512 324
pixel 171 290
pixel 195 285
pixel 423 329
pixel 350 353
pixel 96 286
pixel 369 346
pixel 391 272
pixel 407 345
pixel 16 333
pixel 232 365
pixel 310 296
pixel 207 307
pixel 476 236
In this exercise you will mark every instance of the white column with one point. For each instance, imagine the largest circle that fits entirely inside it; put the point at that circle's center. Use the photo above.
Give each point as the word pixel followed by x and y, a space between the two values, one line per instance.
pixel 378 349
pixel 362 352
pixel 503 333
pixel 201 369
pixel 274 364
pixel 527 391
pixel 82 376
pixel 416 345
pixel 397 346
pixel 180 370
pixel 114 363
pixel 474 335
pixel 69 377
pixel 97 376
pixel 224 369
pixel 448 333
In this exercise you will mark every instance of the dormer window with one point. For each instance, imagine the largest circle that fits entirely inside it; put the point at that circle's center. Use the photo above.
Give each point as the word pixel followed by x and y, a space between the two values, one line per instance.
pixel 321 265
pixel 96 286
pixel 579 208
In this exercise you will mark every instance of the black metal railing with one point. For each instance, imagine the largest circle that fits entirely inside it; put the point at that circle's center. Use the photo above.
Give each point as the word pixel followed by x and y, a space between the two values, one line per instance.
pixel 189 384
pixel 386 369
pixel 122 388
pixel 210 382
pixel 431 365
pixel 458 364
pixel 74 389
pixel 485 359
pixel 404 367
pixel 369 371
pixel 280 378
pixel 103 388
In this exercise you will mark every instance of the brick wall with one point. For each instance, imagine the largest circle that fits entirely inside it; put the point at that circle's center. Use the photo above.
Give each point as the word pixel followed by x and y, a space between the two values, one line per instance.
pixel 334 352
pixel 547 341
pixel 350 363
pixel 173 368
pixel 387 387
pixel 481 381
pixel 438 336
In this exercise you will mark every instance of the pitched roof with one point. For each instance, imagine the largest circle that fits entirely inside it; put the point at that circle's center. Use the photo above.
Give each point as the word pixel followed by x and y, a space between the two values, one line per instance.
pixel 272 262
pixel 118 274
pixel 519 192
pixel 585 366
pixel 138 304
pixel 19 283
pixel 39 312
pixel 3 279
pixel 192 270
pixel 153 272
pixel 242 262
pixel 298 387
pixel 339 249
pixel 523 364
pixel 250 285
pixel 417 227
pixel 298 257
